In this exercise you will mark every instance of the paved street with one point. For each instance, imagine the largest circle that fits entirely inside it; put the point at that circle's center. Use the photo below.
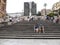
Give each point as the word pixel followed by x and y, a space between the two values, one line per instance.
pixel 26 30
pixel 29 42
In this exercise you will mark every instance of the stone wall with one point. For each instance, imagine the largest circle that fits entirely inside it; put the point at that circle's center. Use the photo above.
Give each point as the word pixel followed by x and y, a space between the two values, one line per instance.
pixel 2 8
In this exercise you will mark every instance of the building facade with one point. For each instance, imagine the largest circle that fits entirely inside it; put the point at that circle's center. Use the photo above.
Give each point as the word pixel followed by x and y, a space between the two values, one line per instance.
pixel 2 8
pixel 33 8
pixel 47 11
pixel 29 8
pixel 26 8
pixel 56 8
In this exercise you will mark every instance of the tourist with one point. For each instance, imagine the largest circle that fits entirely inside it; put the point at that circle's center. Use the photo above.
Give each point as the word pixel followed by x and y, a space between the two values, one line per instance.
pixel 57 21
pixel 36 28
pixel 42 29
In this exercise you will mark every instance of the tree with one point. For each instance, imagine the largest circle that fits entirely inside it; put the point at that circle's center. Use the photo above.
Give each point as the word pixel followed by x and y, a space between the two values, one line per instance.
pixel 45 7
pixel 59 11
pixel 51 14
pixel 39 14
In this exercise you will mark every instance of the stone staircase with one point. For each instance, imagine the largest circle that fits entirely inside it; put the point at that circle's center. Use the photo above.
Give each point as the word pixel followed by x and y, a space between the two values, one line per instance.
pixel 26 29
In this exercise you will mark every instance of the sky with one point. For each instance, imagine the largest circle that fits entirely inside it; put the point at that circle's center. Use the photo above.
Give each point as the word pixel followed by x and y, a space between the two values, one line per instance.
pixel 14 6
